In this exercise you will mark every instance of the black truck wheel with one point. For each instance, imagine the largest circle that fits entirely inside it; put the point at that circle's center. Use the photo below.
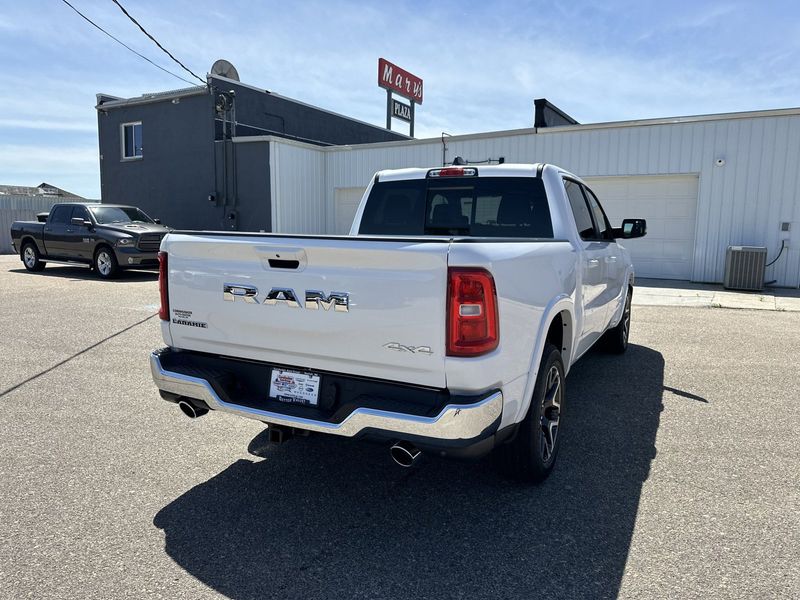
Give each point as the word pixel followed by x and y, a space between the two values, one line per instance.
pixel 105 263
pixel 31 257
pixel 530 456
pixel 615 340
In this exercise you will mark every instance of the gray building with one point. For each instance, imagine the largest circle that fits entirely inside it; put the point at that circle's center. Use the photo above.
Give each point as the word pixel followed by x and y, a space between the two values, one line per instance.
pixel 176 154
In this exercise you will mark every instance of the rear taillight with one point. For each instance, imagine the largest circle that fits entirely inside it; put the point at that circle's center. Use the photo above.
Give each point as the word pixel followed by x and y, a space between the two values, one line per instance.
pixel 163 286
pixel 472 323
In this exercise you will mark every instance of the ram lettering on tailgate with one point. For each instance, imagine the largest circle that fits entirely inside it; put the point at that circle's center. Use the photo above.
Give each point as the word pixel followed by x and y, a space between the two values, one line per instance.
pixel 340 301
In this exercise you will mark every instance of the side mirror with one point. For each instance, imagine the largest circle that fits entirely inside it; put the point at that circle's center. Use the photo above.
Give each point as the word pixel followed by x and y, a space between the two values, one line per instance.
pixel 631 228
pixel 157 221
pixel 79 222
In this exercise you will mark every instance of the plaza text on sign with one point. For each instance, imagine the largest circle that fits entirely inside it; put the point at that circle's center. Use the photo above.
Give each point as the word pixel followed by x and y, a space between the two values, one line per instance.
pixel 399 80
pixel 401 111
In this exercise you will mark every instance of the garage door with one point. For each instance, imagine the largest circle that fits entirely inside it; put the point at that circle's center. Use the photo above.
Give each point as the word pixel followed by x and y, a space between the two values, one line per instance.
pixel 669 203
pixel 346 200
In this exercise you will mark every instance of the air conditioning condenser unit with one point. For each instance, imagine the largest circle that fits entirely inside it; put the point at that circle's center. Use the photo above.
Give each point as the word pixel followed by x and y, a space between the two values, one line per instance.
pixel 744 268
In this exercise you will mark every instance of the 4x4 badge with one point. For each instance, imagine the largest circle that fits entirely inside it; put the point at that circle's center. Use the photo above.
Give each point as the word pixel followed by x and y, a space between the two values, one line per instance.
pixel 412 349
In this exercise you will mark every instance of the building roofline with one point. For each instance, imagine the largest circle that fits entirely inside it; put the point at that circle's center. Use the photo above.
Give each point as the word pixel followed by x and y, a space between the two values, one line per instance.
pixel 249 139
pixel 43 190
pixel 301 103
pixel 148 98
pixel 111 97
pixel 777 112
pixel 751 114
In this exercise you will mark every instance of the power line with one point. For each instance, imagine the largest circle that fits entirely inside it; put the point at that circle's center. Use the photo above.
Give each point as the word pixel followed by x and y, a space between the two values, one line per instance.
pixel 87 19
pixel 155 41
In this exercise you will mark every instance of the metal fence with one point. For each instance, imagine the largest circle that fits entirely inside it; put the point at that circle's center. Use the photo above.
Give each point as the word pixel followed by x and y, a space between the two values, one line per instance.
pixel 23 208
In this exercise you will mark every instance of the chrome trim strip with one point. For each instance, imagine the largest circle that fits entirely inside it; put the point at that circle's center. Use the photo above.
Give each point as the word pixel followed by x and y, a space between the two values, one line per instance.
pixel 454 422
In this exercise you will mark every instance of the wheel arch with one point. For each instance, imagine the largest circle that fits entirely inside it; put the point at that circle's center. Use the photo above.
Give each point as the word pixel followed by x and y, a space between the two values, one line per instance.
pixel 560 334
pixel 28 239
pixel 558 316
pixel 620 301
pixel 102 244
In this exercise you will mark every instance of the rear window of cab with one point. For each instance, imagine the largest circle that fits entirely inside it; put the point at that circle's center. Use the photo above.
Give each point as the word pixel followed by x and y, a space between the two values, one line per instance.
pixel 514 207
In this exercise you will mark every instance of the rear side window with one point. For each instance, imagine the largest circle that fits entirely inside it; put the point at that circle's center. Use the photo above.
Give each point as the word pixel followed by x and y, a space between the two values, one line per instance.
pixel 60 215
pixel 583 218
pixel 468 206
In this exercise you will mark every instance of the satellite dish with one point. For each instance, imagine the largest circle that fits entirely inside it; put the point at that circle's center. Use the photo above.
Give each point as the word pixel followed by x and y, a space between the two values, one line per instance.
pixel 225 69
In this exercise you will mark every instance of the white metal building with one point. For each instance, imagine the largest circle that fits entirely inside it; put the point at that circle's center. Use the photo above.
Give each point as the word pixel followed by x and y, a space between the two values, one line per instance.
pixel 702 182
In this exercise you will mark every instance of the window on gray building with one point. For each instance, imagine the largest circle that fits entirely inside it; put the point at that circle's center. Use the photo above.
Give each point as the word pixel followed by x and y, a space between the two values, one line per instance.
pixel 131 140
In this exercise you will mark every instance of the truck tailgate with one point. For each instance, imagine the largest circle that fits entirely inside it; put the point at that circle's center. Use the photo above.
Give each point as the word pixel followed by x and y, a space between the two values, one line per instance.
pixel 393 328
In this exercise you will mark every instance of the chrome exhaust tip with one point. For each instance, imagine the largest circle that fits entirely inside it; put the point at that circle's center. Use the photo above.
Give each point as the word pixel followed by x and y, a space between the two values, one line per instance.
pixel 190 410
pixel 405 454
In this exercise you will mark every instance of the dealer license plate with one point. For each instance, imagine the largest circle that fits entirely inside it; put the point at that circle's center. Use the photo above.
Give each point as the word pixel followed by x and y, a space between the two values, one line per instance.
pixel 294 387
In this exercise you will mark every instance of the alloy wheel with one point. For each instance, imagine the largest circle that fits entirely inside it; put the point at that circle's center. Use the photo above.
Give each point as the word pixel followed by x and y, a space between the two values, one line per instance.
pixel 550 413
pixel 104 263
pixel 29 256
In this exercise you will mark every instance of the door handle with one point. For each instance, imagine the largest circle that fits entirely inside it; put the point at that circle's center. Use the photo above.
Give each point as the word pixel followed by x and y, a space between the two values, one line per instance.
pixel 594 262
pixel 611 259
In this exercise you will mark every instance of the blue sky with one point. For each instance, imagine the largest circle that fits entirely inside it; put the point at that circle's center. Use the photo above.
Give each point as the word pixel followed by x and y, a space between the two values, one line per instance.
pixel 483 63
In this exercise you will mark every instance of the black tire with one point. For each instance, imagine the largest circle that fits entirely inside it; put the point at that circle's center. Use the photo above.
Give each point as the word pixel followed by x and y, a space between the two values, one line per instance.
pixel 105 263
pixel 531 455
pixel 615 340
pixel 30 257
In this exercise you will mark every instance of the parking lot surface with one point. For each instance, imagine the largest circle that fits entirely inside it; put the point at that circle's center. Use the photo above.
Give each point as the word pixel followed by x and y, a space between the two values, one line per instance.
pixel 679 473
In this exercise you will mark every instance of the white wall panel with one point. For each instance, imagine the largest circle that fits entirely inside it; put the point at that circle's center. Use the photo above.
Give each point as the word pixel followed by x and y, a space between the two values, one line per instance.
pixel 297 176
pixel 742 202
pixel 346 201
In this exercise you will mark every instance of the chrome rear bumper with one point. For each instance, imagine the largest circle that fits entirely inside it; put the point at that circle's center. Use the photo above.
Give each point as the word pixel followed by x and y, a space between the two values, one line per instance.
pixel 455 422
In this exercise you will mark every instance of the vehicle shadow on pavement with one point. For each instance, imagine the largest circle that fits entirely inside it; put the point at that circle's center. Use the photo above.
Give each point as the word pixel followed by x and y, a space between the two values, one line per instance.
pixel 318 518
pixel 81 273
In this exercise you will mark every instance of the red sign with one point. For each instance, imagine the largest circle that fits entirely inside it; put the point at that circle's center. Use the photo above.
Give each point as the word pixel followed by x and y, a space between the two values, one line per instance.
pixel 399 80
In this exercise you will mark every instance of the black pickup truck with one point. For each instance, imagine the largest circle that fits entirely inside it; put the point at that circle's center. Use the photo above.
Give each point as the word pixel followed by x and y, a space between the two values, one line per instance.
pixel 107 237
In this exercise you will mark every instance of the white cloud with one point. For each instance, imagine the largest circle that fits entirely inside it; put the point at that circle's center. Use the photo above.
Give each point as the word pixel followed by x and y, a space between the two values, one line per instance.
pixel 49 125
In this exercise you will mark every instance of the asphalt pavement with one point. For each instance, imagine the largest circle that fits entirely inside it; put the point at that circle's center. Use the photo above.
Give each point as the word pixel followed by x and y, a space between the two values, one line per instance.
pixel 679 473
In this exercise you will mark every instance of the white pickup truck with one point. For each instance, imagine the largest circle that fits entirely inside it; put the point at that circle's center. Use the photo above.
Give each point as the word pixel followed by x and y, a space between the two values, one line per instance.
pixel 445 323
